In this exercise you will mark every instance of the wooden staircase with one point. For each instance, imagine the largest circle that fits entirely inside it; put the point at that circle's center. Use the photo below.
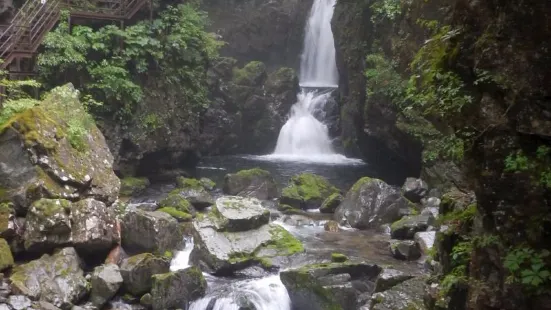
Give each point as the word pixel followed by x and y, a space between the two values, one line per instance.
pixel 20 40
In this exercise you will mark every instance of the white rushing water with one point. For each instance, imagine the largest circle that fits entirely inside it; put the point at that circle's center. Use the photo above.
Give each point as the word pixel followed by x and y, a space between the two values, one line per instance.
pixel 318 66
pixel 181 260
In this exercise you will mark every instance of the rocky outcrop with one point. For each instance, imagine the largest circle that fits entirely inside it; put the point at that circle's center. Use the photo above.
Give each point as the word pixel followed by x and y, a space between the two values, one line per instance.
pixel 173 289
pixel 370 203
pixel 307 191
pixel 41 159
pixel 255 183
pixel 406 295
pixel 137 272
pixel 406 227
pixel 106 281
pixel 57 279
pixel 240 214
pixel 415 189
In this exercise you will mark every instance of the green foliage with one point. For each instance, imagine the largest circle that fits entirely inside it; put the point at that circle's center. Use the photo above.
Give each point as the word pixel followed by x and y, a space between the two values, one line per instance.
pixel 13 107
pixel 537 165
pixel 530 268
pixel 385 9
pixel 174 47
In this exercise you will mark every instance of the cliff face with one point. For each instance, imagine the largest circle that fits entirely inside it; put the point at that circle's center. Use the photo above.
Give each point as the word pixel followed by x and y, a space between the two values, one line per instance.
pixel 490 92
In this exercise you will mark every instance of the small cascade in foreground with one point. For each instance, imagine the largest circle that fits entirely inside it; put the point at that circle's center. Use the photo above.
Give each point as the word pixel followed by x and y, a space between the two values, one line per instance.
pixel 181 260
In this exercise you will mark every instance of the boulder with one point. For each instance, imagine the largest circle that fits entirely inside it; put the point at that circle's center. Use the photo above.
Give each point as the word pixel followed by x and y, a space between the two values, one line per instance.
pixel 329 286
pixel 6 257
pixel 94 228
pixel 208 184
pixel 255 183
pixel 19 302
pixel 57 279
pixel 370 203
pixel 106 281
pixel 137 271
pixel 240 214
pixel 48 225
pixel 223 253
pixel 156 231
pixel 425 240
pixel 174 289
pixel 194 191
pixel 415 189
pixel 406 227
pixel 307 191
pixel 132 186
pixel 40 159
pixel 389 278
pixel 331 204
pixel 406 295
pixel 405 249
pixel 331 226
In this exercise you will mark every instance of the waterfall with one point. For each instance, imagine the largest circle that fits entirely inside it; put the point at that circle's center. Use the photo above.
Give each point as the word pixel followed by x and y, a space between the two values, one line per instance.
pixel 305 137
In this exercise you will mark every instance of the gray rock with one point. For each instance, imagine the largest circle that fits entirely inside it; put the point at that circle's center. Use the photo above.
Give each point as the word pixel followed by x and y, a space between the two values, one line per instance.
pixel 174 289
pixel 137 270
pixel 19 302
pixel 405 249
pixel 425 240
pixel 94 227
pixel 156 231
pixel 42 305
pixel 389 278
pixel 255 183
pixel 329 286
pixel 57 279
pixel 106 281
pixel 415 189
pixel 406 295
pixel 194 192
pixel 240 213
pixel 4 306
pixel 408 226
pixel 48 225
pixel 370 203
pixel 331 204
pixel 432 202
pixel 435 192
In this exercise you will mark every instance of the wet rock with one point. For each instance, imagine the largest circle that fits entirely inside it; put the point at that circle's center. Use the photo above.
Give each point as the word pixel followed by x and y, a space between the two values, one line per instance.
pixel 408 226
pixel 255 183
pixel 94 227
pixel 57 279
pixel 297 220
pixel 194 192
pixel 106 281
pixel 146 300
pixel 178 288
pixel 156 231
pixel 425 240
pixel 331 226
pixel 406 295
pixel 137 270
pixel 389 278
pixel 19 302
pixel 6 257
pixel 307 191
pixel 329 286
pixel 415 189
pixel 405 249
pixel 132 186
pixel 39 161
pixel 223 252
pixel 338 258
pixel 370 203
pixel 48 225
pixel 240 213
pixel 208 184
pixel 331 204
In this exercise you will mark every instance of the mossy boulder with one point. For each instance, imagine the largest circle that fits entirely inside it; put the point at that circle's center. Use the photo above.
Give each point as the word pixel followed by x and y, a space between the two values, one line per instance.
pixel 176 201
pixel 331 204
pixel 6 258
pixel 57 279
pixel 174 289
pixel 180 216
pixel 390 277
pixel 338 258
pixel 194 192
pixel 208 184
pixel 252 74
pixel 330 285
pixel 132 186
pixel 154 232
pixel 235 214
pixel 137 272
pixel 307 191
pixel 405 249
pixel 406 227
pixel 255 183
pixel 106 281
pixel 370 203
pixel 54 150
pixel 48 225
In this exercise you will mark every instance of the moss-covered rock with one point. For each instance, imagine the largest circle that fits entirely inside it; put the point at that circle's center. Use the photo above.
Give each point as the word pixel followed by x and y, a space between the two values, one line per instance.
pixel 207 183
pixel 61 135
pixel 331 204
pixel 406 227
pixel 57 279
pixel 48 225
pixel 180 216
pixel 193 191
pixel 255 183
pixel 338 258
pixel 6 258
pixel 173 289
pixel 132 186
pixel 137 272
pixel 6 212
pixel 307 191
pixel 176 201
pixel 252 74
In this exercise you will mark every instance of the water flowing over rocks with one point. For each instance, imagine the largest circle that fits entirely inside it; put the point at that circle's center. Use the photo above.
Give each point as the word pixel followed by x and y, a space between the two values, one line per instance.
pixel 369 203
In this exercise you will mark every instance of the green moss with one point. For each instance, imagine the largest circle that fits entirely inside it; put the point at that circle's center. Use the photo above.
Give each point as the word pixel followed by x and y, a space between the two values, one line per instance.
pixel 283 242
pixel 4 194
pixel 250 173
pixel 304 282
pixel 176 201
pixel 50 207
pixel 307 188
pixel 168 254
pixel 131 186
pixel 356 187
pixel 399 223
pixel 179 215
pixel 338 258
pixel 6 258
pixel 5 212
pixel 188 183
pixel 207 183
pixel 250 74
